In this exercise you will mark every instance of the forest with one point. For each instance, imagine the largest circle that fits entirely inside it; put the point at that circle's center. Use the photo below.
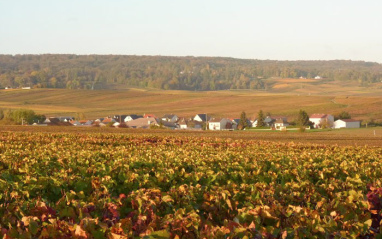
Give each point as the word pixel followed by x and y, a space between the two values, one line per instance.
pixel 171 73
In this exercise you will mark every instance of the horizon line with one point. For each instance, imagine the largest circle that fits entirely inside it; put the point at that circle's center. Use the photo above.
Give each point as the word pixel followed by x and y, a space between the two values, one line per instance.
pixel 181 56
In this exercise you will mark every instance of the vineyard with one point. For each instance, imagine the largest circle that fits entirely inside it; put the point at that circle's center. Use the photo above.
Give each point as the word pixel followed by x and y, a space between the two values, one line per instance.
pixel 93 185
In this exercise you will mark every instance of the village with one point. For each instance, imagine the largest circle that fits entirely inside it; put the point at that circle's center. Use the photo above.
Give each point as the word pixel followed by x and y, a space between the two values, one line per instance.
pixel 198 122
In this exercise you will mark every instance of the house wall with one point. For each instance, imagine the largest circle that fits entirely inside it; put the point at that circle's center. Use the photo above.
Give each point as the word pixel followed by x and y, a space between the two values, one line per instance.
pixel 183 126
pixel 223 123
pixel 342 124
pixel 279 125
pixel 316 121
pixel 339 124
pixel 214 125
pixel 353 124
pixel 218 125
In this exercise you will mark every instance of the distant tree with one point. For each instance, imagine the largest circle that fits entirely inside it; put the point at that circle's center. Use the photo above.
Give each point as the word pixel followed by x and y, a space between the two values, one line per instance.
pixel 303 119
pixel 7 114
pixel 325 124
pixel 243 123
pixel 23 116
pixel 260 119
pixel 343 115
pixel 39 118
pixel 1 114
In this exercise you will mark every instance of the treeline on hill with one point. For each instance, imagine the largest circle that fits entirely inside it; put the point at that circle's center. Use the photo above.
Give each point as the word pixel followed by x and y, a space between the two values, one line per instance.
pixel 175 73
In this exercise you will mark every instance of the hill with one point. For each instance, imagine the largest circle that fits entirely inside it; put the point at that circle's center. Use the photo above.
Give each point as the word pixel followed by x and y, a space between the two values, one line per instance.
pixel 176 73
pixel 98 103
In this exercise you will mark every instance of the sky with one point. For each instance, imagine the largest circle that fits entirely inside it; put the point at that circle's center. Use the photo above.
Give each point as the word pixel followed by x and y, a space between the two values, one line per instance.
pixel 250 29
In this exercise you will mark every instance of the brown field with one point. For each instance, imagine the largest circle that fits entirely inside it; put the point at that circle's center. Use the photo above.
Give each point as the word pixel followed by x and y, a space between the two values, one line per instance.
pixel 53 102
pixel 343 137
pixel 322 87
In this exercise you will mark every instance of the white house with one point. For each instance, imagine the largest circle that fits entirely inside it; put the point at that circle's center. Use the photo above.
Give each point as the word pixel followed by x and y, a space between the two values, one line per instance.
pixel 281 123
pixel 182 123
pixel 346 123
pixel 201 118
pixel 131 117
pixel 219 124
pixel 319 119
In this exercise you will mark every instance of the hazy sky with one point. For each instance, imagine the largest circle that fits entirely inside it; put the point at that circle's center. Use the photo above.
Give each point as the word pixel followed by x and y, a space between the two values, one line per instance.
pixel 266 29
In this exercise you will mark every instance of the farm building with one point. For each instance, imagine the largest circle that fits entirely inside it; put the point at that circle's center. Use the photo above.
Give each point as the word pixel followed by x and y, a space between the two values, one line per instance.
pixel 319 120
pixel 346 123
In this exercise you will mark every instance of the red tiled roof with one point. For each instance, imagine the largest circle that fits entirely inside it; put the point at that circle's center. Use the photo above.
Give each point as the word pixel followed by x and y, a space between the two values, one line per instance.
pixel 149 116
pixel 108 120
pixel 318 116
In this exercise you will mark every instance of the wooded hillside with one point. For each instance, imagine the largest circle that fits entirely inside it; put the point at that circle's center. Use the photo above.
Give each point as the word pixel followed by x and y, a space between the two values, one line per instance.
pixel 176 73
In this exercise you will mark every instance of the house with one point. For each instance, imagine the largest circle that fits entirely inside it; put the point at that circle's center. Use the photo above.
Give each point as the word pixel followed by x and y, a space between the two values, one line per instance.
pixel 346 123
pixel 219 124
pixel 201 118
pixel 269 121
pixel 54 121
pixel 166 124
pixel 281 123
pixel 51 120
pixel 170 118
pixel 132 117
pixel 321 120
pixel 236 122
pixel 143 123
pixel 318 77
pixel 119 118
pixel 107 121
pixel 182 123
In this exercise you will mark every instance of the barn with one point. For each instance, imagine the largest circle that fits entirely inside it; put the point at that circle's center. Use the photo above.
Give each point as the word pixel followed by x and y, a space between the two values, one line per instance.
pixel 346 123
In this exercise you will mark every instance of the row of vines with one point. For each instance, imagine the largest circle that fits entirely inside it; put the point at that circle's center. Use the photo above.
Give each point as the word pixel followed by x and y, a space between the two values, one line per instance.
pixel 89 185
